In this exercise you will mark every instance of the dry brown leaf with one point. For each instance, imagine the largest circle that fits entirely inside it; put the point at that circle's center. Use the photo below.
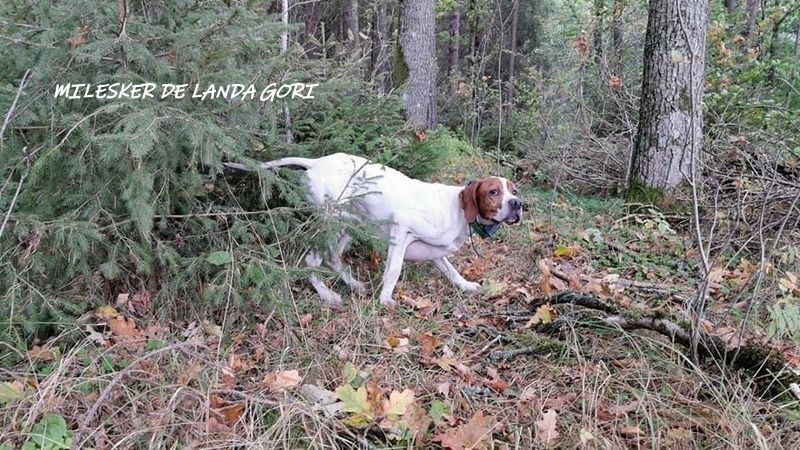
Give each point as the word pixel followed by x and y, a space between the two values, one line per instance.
pixel 281 381
pixel 418 422
pixel 227 377
pixel 81 38
pixel 188 375
pixel 546 430
pixel 429 343
pixel 227 413
pixel 561 401
pixel 305 319
pixel 41 353
pixel 630 430
pixel 140 302
pixel 471 435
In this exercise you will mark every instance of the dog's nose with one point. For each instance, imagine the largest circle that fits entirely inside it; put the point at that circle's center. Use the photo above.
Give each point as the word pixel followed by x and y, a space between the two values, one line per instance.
pixel 515 203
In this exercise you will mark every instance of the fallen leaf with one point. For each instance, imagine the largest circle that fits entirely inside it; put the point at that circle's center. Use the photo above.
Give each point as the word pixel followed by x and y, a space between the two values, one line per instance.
pixel 439 412
pixel 429 343
pixel 81 38
pixel 140 302
pixel 227 377
pixel 418 422
pixel 398 345
pixel 42 353
pixel 227 413
pixel 544 314
pixel 106 312
pixel 546 431
pixel 471 435
pixel 189 374
pixel 630 430
pixel 10 391
pixel 398 402
pixel 566 251
pixel 281 381
pixel 355 402
pixel 305 319
pixel 560 402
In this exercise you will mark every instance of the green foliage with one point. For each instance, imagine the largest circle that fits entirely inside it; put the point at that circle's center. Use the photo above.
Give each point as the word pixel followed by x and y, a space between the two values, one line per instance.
pixel 50 433
pixel 126 193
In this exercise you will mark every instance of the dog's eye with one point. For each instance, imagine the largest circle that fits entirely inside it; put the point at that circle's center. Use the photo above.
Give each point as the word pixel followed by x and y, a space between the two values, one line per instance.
pixel 493 192
pixel 514 192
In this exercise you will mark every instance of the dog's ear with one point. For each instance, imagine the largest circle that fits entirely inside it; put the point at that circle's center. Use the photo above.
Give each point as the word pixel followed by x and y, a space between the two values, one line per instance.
pixel 469 201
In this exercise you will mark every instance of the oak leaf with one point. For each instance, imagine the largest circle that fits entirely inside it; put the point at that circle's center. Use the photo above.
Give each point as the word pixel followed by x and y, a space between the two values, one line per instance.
pixel 471 435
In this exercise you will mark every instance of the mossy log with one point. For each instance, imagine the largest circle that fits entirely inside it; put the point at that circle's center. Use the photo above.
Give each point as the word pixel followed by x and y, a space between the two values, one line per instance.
pixel 766 365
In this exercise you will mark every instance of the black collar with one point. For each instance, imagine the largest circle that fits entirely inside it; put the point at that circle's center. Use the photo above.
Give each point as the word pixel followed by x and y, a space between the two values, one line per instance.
pixel 484 230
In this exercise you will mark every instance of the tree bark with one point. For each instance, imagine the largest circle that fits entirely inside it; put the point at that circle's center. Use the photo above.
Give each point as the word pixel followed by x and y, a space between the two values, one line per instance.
pixel 616 37
pixel 380 48
pixel 750 19
pixel 512 56
pixel 312 18
pixel 670 131
pixel 350 21
pixel 597 34
pixel 454 46
pixel 419 53
pixel 731 5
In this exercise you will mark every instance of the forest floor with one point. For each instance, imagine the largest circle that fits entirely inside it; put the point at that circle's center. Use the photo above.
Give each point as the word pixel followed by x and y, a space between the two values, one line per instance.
pixel 440 370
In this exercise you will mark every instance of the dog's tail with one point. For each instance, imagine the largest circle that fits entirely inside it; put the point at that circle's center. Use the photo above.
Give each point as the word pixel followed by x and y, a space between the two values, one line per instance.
pixel 305 163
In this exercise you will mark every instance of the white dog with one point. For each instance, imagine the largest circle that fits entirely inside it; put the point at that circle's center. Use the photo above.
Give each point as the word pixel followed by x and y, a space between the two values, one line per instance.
pixel 423 221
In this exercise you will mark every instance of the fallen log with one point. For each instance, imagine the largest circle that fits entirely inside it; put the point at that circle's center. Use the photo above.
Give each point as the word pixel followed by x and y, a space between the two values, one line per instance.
pixel 768 367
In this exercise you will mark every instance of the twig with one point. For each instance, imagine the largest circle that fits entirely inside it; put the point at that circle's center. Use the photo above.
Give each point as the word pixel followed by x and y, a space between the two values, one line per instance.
pixel 13 106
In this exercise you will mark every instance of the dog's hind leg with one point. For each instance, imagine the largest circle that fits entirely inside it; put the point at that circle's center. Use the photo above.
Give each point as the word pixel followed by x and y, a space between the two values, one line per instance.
pixel 314 260
pixel 338 266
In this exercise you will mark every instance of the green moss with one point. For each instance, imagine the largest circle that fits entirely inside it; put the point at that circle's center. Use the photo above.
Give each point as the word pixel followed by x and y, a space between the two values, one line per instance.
pixel 642 193
pixel 399 67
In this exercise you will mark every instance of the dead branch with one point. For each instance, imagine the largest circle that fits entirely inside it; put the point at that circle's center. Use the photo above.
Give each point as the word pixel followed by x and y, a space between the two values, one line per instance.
pixel 766 365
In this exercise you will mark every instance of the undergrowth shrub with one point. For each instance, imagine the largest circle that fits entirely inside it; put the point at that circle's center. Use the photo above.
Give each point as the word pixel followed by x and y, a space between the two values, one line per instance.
pixel 124 196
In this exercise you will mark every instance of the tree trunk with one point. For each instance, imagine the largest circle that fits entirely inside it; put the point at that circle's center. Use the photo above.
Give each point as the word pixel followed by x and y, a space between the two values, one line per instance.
pixel 731 5
pixel 350 21
pixel 750 19
pixel 670 133
pixel 616 37
pixel 454 46
pixel 287 116
pixel 597 34
pixel 513 56
pixel 419 53
pixel 380 48
pixel 312 17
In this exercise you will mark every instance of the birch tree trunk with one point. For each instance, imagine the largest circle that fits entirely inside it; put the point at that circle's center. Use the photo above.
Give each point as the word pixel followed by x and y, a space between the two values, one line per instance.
pixel 512 56
pixel 350 21
pixel 671 113
pixel 419 53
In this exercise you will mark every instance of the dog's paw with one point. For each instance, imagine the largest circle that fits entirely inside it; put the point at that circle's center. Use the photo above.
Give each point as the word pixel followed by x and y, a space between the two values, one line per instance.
pixel 388 302
pixel 359 288
pixel 332 299
pixel 471 286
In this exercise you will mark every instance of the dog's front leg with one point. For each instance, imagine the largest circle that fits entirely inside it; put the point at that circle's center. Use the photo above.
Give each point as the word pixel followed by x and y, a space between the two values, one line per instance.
pixel 450 272
pixel 399 239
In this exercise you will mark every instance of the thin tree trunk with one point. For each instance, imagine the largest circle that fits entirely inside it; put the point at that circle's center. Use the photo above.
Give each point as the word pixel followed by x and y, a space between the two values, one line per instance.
pixel 380 48
pixel 350 21
pixel 731 5
pixel 513 56
pixel 616 37
pixel 671 122
pixel 287 117
pixel 454 46
pixel 312 18
pixel 793 78
pixel 419 52
pixel 597 34
pixel 750 19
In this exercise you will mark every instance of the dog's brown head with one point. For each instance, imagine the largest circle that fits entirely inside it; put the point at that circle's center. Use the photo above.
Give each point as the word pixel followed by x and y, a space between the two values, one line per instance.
pixel 491 199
